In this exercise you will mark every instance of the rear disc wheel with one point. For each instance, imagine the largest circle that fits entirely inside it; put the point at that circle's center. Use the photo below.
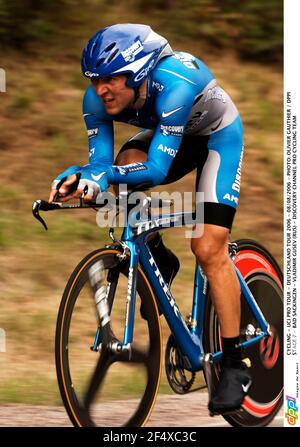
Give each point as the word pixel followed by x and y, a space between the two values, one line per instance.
pixel 264 279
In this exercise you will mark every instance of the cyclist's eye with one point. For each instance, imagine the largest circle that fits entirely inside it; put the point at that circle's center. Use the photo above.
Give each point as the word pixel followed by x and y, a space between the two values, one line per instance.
pixel 108 79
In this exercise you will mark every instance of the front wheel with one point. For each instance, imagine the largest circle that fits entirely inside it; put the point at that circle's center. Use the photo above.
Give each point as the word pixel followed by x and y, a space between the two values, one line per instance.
pixel 99 386
pixel 265 281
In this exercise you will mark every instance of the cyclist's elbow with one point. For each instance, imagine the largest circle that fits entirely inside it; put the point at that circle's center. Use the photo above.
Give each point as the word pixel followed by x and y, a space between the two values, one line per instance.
pixel 157 174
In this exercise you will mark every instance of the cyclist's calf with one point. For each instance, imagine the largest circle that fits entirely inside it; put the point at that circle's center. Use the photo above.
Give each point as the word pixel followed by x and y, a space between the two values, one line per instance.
pixel 212 254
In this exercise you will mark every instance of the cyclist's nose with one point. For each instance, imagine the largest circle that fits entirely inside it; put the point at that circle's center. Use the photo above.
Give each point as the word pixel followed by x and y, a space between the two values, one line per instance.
pixel 101 88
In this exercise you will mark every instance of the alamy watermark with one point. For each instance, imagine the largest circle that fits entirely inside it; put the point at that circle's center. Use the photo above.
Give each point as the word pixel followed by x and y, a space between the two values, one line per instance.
pixel 2 340
pixel 2 81
pixel 159 209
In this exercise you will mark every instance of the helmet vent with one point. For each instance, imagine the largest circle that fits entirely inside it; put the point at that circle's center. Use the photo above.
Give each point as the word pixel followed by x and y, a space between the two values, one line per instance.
pixel 93 49
pixel 100 61
pixel 112 56
pixel 110 47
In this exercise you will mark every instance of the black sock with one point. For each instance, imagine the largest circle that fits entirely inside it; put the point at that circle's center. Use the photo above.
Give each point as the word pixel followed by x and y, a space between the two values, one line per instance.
pixel 231 349
pixel 166 260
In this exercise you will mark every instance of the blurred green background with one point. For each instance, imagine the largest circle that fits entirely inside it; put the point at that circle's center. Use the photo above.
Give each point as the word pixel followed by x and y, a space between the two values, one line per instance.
pixel 42 133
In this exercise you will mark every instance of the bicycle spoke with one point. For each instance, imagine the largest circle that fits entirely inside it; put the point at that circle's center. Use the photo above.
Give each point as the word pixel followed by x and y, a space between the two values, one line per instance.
pixel 104 362
pixel 138 356
pixel 94 384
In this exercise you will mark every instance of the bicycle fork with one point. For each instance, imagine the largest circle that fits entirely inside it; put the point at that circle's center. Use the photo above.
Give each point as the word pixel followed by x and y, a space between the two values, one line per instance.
pixel 104 290
pixel 101 291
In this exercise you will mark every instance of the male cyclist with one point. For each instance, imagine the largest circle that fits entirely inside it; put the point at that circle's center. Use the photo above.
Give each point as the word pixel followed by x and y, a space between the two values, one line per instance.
pixel 188 122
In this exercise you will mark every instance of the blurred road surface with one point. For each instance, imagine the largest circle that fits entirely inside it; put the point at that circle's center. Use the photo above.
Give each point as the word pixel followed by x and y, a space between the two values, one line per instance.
pixel 169 411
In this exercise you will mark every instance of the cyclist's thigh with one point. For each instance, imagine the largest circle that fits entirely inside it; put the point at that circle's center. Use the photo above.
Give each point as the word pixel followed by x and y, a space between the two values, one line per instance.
pixel 135 149
pixel 220 177
pixel 192 153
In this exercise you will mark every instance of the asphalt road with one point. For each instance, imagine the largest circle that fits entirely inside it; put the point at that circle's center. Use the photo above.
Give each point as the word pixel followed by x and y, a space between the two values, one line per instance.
pixel 169 411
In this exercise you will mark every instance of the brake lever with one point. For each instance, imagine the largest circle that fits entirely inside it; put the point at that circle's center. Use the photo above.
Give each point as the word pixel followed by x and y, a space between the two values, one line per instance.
pixel 43 206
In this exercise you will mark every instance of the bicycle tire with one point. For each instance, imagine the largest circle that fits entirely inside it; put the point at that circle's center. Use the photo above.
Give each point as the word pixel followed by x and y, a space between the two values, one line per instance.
pixel 70 391
pixel 265 280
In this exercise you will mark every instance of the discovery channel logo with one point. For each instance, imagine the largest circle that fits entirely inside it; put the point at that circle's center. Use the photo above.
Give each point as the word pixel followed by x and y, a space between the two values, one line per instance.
pixel 292 410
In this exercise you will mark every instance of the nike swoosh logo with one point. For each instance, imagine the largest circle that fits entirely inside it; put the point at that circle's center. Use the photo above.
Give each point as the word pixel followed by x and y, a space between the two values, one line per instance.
pixel 97 177
pixel 165 114
pixel 86 114
pixel 246 387
pixel 218 125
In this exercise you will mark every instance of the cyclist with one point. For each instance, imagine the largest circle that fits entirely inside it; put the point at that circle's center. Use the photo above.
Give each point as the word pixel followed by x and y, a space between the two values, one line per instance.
pixel 188 122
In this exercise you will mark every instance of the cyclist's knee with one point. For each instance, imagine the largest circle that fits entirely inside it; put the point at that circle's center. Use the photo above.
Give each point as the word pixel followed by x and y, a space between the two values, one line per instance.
pixel 127 157
pixel 211 248
pixel 130 156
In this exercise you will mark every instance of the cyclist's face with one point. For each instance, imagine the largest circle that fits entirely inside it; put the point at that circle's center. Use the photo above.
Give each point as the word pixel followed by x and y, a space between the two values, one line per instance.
pixel 115 94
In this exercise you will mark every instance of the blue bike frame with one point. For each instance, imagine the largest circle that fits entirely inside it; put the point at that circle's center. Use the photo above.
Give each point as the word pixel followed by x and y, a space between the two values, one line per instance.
pixel 189 339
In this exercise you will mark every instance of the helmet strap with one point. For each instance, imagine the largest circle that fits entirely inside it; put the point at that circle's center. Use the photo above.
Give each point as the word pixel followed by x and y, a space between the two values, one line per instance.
pixel 140 93
pixel 136 94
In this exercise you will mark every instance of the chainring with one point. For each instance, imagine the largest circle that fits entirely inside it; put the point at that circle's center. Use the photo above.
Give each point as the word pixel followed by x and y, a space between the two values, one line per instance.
pixel 179 378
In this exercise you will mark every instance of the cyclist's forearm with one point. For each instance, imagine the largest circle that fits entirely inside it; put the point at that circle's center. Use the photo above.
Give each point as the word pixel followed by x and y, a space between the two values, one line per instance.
pixel 101 146
pixel 136 173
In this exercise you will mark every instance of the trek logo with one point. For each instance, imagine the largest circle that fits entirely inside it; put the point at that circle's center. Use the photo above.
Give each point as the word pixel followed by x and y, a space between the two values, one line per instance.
pixel 292 410
pixel 142 74
pixel 163 221
pixel 166 114
pixel 92 132
pixel 130 53
pixel 90 74
pixel 165 287
pixel 129 291
pixel 168 150
pixel 176 131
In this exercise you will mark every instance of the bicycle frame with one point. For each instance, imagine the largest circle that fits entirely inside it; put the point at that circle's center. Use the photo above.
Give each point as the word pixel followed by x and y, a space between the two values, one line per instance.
pixel 189 339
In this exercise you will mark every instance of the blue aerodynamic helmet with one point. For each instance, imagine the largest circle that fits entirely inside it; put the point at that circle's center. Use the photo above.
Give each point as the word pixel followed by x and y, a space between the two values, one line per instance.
pixel 124 48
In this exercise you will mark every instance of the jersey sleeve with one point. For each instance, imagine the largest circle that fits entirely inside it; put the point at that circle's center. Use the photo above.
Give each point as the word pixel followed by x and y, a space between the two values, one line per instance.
pixel 173 107
pixel 99 129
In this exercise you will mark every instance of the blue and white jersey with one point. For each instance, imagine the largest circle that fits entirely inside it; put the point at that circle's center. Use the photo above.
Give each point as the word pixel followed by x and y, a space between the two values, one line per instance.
pixel 183 98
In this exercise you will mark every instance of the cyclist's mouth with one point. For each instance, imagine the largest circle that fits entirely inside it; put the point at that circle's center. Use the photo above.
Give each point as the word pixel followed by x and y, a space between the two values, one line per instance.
pixel 108 101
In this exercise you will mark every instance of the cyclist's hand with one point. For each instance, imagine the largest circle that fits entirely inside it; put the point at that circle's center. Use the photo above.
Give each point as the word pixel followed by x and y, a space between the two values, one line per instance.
pixel 93 182
pixel 65 184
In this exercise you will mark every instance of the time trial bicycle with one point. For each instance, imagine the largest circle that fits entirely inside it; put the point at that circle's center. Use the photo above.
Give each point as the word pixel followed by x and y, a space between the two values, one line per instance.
pixel 108 345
